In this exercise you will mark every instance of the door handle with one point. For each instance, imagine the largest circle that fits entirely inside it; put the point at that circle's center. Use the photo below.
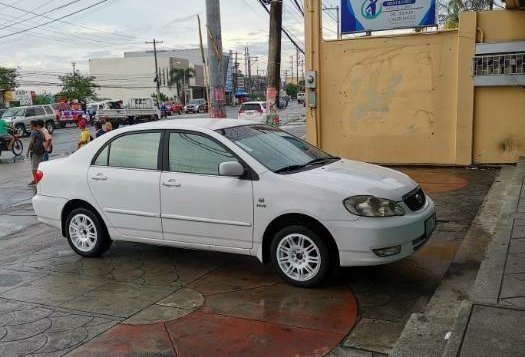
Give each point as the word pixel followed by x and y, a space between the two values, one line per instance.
pixel 99 177
pixel 171 183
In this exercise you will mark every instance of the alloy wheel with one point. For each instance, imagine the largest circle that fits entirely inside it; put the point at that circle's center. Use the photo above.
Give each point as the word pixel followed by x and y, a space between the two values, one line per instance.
pixel 299 258
pixel 83 232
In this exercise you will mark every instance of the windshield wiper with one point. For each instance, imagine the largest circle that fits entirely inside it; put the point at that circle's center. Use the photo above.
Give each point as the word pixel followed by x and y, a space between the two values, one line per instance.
pixel 309 163
pixel 321 160
pixel 290 168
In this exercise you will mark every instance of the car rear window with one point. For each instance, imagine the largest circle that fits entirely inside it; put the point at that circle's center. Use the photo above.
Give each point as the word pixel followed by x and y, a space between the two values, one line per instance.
pixel 251 106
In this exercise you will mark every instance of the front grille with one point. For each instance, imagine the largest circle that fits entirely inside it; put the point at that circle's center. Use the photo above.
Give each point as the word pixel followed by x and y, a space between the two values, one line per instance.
pixel 415 200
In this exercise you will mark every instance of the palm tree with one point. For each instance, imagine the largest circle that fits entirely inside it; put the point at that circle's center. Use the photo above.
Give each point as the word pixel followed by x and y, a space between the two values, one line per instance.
pixel 179 77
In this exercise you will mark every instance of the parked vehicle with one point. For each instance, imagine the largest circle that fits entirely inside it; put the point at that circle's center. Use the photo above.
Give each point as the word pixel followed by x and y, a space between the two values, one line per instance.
pixel 65 114
pixel 20 117
pixel 233 186
pixel 93 108
pixel 196 106
pixel 300 98
pixel 253 111
pixel 175 108
pixel 137 110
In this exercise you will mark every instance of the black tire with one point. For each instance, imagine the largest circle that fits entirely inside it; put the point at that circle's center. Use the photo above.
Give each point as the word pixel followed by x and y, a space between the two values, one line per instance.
pixel 180 111
pixel 50 126
pixel 18 147
pixel 100 241
pixel 21 128
pixel 115 124
pixel 321 251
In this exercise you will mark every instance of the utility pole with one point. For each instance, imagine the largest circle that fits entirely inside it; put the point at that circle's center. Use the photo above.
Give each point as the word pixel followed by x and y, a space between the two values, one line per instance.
pixel 74 64
pixel 235 69
pixel 292 67
pixel 297 66
pixel 337 18
pixel 274 61
pixel 157 81
pixel 213 19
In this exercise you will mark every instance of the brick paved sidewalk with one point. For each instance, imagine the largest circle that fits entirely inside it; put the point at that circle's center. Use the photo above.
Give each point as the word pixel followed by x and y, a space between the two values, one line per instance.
pixel 492 323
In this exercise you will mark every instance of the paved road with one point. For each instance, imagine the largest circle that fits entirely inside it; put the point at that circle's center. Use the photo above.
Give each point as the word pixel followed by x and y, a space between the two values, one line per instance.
pixel 56 302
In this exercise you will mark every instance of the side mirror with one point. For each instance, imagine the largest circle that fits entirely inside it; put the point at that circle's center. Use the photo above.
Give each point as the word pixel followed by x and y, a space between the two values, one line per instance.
pixel 231 168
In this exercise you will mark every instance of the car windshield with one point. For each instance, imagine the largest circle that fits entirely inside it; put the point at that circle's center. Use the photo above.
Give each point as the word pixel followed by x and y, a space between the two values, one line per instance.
pixel 14 112
pixel 278 150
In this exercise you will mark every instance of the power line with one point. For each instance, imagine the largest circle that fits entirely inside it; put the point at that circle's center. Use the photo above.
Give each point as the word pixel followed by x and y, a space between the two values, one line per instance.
pixel 35 14
pixel 283 30
pixel 71 23
pixel 54 20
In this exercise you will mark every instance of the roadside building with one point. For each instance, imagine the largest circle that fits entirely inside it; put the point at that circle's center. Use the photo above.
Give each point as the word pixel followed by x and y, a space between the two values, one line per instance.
pixel 133 74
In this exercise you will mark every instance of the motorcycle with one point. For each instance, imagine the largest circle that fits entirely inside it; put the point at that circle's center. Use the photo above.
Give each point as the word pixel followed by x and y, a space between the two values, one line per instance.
pixel 18 148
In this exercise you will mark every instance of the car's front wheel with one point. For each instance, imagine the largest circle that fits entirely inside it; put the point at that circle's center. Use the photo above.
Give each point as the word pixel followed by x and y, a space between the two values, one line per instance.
pixel 85 233
pixel 300 256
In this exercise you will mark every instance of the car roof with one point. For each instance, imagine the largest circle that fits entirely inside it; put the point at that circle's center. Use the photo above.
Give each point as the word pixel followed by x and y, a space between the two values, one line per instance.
pixel 191 124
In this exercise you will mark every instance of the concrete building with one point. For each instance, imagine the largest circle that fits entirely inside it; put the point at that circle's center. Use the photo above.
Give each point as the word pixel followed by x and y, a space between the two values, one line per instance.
pixel 133 75
pixel 451 97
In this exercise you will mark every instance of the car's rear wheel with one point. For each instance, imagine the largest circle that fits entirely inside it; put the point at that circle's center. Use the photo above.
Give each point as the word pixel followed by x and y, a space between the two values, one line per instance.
pixel 85 233
pixel 300 256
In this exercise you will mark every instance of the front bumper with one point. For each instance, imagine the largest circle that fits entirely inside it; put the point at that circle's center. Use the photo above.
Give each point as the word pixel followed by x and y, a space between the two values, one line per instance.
pixel 357 239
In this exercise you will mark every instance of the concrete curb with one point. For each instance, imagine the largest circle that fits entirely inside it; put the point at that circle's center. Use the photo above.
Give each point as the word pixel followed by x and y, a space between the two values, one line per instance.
pixel 427 334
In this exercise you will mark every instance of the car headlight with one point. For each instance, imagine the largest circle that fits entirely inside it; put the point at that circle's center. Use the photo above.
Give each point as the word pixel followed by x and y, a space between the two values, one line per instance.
pixel 370 206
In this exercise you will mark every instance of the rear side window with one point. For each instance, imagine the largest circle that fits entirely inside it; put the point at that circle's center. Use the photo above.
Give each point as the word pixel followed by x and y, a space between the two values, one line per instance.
pixel 133 151
pixel 48 110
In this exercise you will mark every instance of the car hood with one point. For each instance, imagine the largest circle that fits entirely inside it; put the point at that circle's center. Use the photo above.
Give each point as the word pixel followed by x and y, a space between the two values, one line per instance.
pixel 353 178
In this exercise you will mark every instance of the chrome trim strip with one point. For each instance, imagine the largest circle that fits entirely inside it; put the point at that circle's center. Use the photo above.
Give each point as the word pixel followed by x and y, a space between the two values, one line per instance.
pixel 132 213
pixel 204 220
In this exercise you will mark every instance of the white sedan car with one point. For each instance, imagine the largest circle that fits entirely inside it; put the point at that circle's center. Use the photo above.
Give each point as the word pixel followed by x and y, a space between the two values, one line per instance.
pixel 253 111
pixel 233 186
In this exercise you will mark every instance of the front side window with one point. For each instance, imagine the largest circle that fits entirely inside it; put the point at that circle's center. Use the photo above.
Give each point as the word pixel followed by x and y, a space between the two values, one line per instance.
pixel 196 154
pixel 30 112
pixel 48 110
pixel 134 151
pixel 274 148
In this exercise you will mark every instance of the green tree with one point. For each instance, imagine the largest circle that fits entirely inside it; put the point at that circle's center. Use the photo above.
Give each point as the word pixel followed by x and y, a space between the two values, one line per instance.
pixel 163 97
pixel 8 78
pixel 449 10
pixel 78 87
pixel 291 90
pixel 44 98
pixel 179 76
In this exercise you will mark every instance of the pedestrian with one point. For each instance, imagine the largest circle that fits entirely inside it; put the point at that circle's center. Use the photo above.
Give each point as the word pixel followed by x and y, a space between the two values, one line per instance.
pixel 99 130
pixel 85 136
pixel 48 140
pixel 35 149
pixel 108 127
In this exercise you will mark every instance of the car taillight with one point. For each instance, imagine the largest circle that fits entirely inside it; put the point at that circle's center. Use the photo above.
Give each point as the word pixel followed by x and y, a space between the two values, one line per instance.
pixel 259 111
pixel 39 176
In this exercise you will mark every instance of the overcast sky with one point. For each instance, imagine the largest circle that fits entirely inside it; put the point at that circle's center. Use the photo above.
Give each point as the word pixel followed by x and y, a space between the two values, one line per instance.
pixel 115 26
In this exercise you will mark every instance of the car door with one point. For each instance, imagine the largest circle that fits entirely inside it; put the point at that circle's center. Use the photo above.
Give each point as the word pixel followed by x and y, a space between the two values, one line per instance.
pixel 124 179
pixel 199 206
pixel 30 115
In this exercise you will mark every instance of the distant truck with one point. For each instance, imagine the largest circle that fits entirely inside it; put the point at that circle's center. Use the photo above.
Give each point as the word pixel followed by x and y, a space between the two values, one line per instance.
pixel 137 110
pixel 300 97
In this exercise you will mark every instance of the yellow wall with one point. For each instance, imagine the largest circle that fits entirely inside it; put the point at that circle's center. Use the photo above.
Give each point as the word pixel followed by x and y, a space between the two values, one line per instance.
pixel 390 99
pixel 411 99
pixel 499 128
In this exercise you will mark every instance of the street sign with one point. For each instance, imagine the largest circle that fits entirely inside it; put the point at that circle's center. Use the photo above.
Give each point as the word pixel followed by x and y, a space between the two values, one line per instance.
pixel 374 15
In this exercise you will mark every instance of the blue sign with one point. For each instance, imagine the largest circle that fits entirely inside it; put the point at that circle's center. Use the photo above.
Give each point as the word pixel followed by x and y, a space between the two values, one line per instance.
pixel 375 15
